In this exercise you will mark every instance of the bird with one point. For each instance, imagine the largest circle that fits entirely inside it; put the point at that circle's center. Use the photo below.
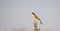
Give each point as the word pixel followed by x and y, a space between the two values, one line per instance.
pixel 36 18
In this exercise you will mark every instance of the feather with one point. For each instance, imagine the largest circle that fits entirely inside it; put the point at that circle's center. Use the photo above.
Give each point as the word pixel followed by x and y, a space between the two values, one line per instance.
pixel 36 17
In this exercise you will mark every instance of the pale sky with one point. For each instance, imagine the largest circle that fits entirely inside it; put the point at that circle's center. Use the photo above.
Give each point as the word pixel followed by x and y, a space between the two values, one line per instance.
pixel 17 14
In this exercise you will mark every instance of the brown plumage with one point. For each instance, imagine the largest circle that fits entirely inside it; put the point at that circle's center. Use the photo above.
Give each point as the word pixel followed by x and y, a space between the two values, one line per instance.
pixel 36 18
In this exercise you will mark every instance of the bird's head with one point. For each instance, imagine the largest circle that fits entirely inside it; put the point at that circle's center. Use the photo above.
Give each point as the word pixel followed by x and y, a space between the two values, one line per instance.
pixel 33 13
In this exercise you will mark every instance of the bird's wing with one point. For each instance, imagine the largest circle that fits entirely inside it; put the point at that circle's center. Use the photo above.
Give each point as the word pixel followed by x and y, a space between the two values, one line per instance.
pixel 36 17
pixel 39 19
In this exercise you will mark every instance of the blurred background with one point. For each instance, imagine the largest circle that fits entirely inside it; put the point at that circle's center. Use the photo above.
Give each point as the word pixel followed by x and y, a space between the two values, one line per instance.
pixel 15 14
